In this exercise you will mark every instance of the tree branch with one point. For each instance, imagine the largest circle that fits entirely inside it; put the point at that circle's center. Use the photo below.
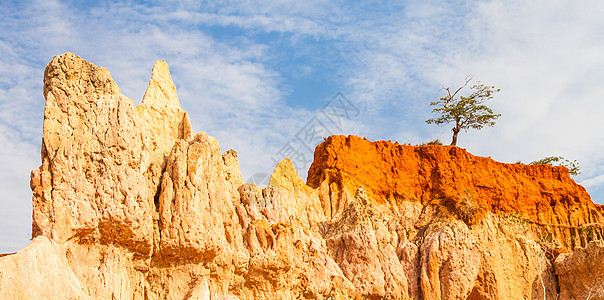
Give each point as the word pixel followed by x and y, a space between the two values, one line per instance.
pixel 468 79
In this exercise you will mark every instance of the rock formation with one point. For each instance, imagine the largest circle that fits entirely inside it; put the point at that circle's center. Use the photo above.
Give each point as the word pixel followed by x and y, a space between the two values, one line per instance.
pixel 128 203
pixel 460 184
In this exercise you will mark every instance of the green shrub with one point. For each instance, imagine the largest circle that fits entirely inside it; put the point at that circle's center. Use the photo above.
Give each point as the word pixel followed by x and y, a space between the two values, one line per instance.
pixel 587 232
pixel 572 166
pixel 516 218
pixel 434 142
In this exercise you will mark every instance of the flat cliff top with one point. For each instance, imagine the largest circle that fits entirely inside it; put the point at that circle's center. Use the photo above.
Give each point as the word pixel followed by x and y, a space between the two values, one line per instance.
pixel 449 175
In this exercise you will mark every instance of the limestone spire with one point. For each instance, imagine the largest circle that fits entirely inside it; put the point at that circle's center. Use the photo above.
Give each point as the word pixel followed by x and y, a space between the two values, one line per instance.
pixel 161 92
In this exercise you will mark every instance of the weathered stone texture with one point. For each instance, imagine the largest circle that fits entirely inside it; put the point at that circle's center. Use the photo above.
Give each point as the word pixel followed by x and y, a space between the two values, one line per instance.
pixel 129 203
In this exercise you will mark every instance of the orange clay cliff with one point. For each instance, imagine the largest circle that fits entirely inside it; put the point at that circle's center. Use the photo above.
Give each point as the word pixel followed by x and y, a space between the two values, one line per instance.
pixel 450 177
pixel 129 203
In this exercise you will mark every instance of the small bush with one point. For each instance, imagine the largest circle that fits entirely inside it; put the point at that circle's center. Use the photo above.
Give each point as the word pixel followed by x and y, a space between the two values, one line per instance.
pixel 572 166
pixel 516 218
pixel 434 142
pixel 548 241
pixel 468 209
pixel 587 232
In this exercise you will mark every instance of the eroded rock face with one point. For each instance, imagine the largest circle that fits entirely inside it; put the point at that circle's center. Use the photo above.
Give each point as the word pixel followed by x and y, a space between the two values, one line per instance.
pixel 89 186
pixel 130 204
pixel 450 261
pixel 463 184
pixel 514 264
pixel 196 201
pixel 580 273
pixel 41 268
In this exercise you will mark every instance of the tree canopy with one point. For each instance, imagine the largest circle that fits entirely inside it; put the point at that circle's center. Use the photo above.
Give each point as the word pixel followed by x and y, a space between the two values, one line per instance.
pixel 465 112
pixel 572 166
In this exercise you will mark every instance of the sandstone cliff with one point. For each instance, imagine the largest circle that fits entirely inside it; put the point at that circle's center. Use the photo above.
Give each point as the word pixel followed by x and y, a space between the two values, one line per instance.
pixel 458 183
pixel 128 203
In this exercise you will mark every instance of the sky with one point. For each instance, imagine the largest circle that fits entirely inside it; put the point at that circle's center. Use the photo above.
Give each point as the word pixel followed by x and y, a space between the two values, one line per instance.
pixel 257 74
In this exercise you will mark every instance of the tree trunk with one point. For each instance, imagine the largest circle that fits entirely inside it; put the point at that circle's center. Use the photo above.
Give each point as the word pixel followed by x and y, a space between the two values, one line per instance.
pixel 454 142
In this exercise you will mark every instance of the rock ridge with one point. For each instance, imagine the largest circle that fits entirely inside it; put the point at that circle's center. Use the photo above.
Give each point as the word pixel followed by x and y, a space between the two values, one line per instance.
pixel 457 181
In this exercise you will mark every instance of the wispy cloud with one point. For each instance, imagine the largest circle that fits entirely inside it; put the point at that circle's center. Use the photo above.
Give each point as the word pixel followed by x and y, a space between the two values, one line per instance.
pixel 17 158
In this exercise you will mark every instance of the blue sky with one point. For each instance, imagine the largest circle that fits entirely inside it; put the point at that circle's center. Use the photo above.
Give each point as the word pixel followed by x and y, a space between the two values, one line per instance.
pixel 254 73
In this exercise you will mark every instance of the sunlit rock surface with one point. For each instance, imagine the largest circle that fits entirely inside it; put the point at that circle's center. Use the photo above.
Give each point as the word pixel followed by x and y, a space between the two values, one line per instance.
pixel 129 203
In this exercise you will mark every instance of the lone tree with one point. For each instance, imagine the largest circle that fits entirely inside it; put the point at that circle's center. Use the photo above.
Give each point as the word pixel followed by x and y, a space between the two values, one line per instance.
pixel 465 112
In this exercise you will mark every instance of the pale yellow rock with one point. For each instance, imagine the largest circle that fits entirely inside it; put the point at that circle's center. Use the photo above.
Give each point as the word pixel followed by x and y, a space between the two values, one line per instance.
pixel 232 171
pixel 161 122
pixel 361 245
pixel 513 263
pixel 39 271
pixel 108 271
pixel 160 116
pixel 89 186
pixel 581 274
pixel 161 92
pixel 276 221
pixel 200 291
pixel 449 260
pixel 297 200
pixel 196 201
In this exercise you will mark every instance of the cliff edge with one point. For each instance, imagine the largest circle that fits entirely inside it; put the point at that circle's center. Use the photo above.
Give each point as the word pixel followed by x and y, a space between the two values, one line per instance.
pixel 457 182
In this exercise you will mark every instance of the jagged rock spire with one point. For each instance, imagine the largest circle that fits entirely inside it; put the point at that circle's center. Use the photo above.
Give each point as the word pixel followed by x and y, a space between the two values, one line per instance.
pixel 161 92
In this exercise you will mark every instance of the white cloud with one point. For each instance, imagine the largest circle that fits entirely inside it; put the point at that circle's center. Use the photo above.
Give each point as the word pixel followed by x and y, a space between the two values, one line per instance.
pixel 17 159
pixel 592 182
